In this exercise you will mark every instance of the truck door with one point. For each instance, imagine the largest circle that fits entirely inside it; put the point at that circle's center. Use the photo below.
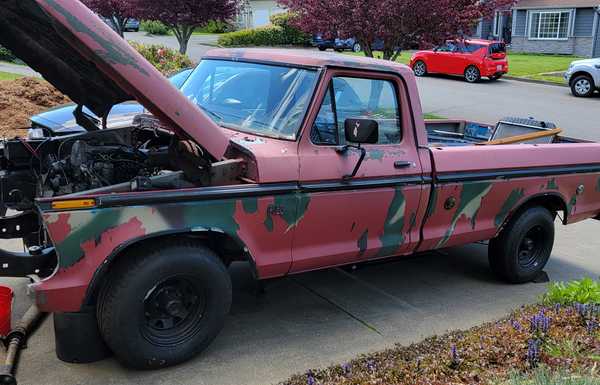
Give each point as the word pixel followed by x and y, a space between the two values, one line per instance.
pixel 372 215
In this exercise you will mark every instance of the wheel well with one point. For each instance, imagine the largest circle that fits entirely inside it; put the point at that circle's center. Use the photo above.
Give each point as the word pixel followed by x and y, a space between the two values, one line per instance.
pixel 552 202
pixel 581 73
pixel 226 247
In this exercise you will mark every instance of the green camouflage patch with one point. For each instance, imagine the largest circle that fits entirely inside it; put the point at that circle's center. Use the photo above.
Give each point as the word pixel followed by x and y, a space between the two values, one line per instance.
pixel 393 237
pixel 513 198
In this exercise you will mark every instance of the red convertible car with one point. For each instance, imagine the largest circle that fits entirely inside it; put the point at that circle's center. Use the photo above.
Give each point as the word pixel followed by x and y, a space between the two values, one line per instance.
pixel 473 59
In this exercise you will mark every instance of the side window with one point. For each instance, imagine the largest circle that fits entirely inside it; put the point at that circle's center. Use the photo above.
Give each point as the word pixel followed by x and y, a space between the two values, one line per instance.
pixel 358 98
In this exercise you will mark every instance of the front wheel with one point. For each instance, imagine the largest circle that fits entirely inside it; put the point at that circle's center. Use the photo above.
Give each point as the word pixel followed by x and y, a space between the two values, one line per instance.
pixel 163 305
pixel 523 248
pixel 356 47
pixel 582 86
pixel 472 74
pixel 322 48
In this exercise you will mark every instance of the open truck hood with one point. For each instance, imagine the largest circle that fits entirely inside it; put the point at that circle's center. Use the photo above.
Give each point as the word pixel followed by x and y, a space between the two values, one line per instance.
pixel 86 60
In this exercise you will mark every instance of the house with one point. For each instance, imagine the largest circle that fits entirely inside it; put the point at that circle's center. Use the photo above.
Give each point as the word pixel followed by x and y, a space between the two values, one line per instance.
pixel 547 26
pixel 257 13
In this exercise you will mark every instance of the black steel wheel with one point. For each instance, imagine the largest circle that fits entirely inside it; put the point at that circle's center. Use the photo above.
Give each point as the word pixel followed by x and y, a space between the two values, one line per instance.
pixel 164 303
pixel 523 247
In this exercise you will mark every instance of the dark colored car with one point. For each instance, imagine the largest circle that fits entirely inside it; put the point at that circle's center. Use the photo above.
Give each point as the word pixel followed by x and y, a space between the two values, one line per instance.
pixel 336 44
pixel 60 121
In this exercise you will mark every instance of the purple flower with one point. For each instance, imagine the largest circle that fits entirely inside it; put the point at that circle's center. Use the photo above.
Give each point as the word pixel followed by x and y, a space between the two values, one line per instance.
pixel 557 307
pixel 310 379
pixel 371 365
pixel 346 369
pixel 591 326
pixel 539 323
pixel 516 325
pixel 533 352
pixel 454 357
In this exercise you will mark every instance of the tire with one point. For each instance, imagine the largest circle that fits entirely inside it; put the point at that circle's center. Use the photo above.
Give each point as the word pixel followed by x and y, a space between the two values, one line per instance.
pixel 583 86
pixel 523 248
pixel 420 68
pixel 495 77
pixel 164 304
pixel 356 48
pixel 321 48
pixel 472 74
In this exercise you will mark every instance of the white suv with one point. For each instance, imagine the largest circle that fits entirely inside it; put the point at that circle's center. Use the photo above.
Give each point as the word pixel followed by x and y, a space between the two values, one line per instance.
pixel 583 77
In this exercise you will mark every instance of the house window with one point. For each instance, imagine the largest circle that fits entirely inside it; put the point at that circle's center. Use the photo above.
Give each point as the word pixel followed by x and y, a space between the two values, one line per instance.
pixel 497 23
pixel 549 25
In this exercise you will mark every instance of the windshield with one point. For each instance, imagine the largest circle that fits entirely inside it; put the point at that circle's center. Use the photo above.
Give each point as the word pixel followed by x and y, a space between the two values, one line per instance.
pixel 256 98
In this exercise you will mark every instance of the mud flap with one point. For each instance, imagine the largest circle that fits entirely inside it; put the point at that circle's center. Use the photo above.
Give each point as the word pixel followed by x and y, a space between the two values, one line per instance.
pixel 77 337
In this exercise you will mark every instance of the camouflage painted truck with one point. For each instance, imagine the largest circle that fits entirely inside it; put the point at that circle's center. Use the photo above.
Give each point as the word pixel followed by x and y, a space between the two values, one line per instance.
pixel 289 160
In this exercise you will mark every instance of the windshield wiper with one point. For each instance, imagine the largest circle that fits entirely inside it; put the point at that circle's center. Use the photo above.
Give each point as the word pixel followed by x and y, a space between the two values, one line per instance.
pixel 214 114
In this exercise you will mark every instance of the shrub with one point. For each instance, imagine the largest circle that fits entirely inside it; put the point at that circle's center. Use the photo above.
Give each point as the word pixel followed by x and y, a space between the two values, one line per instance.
pixel 154 27
pixel 264 36
pixel 281 32
pixel 585 291
pixel 166 60
pixel 6 55
pixel 216 26
pixel 291 34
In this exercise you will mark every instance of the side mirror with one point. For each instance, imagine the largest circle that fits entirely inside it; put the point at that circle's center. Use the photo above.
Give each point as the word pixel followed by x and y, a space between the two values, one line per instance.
pixel 361 131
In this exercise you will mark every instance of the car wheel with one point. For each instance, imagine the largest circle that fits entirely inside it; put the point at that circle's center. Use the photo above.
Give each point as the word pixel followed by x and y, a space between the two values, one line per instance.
pixel 356 47
pixel 420 68
pixel 523 248
pixel 495 77
pixel 472 74
pixel 582 86
pixel 321 48
pixel 163 305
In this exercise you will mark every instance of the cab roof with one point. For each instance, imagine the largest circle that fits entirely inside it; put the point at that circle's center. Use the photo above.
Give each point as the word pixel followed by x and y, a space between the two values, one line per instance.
pixel 306 58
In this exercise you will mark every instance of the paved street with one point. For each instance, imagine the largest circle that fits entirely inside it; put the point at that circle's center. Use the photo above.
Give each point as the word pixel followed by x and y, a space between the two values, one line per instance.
pixel 198 45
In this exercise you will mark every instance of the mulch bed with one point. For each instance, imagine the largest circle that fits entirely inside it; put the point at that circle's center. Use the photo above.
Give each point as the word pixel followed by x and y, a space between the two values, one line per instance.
pixel 22 98
pixel 561 338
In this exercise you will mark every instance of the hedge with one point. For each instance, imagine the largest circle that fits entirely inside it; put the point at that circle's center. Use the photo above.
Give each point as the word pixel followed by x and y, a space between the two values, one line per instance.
pixel 154 27
pixel 281 32
pixel 6 55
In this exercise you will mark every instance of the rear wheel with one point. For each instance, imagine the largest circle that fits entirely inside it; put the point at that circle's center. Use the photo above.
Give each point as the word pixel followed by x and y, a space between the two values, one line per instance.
pixel 322 48
pixel 523 248
pixel 356 47
pixel 420 68
pixel 472 74
pixel 163 305
pixel 495 77
pixel 582 86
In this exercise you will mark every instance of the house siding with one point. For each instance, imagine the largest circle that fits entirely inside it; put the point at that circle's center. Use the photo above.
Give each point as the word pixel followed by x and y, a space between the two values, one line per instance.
pixel 596 52
pixel 486 28
pixel 584 22
pixel 580 46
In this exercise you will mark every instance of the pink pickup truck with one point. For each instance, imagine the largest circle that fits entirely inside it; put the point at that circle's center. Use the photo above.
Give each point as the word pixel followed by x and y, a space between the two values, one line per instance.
pixel 291 160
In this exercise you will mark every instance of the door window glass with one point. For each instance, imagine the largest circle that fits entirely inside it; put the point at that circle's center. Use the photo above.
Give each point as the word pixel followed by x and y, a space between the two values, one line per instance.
pixel 352 98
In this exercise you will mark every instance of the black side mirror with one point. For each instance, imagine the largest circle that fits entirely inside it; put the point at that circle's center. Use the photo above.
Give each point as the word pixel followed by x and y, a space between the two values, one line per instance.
pixel 361 131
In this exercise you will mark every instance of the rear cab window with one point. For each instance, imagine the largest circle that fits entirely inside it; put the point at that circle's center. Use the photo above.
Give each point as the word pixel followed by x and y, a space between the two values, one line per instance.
pixel 352 98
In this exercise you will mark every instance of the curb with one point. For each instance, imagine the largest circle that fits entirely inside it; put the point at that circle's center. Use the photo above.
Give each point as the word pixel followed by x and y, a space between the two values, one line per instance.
pixel 534 81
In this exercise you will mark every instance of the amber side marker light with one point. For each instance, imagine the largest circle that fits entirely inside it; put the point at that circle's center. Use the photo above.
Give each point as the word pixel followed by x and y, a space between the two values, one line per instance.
pixel 73 204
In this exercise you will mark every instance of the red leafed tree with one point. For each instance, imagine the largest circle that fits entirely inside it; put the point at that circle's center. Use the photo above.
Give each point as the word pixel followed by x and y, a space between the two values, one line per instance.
pixel 117 11
pixel 183 16
pixel 397 23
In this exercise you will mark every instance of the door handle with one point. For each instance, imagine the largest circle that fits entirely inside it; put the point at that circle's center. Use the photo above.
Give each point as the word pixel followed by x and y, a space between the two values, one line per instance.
pixel 402 164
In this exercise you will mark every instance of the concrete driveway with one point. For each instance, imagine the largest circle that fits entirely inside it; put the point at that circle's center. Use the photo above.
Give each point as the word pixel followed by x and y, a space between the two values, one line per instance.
pixel 321 318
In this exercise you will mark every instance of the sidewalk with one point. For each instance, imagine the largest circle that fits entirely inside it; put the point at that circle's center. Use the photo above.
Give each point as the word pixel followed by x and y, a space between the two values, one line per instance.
pixel 17 69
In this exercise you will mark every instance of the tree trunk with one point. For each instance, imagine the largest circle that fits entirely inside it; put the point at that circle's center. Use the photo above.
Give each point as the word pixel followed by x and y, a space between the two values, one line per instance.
pixel 183 33
pixel 118 25
pixel 367 48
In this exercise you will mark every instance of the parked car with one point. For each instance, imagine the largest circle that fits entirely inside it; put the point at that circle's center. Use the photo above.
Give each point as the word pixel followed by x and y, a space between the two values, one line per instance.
pixel 61 121
pixel 472 59
pixel 132 25
pixel 336 44
pixel 289 160
pixel 583 76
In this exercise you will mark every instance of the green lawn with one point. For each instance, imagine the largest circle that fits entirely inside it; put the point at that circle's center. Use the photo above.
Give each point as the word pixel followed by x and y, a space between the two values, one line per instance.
pixel 8 76
pixel 531 66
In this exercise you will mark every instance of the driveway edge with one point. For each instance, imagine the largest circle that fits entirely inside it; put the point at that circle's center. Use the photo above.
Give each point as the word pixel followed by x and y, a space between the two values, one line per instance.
pixel 534 81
